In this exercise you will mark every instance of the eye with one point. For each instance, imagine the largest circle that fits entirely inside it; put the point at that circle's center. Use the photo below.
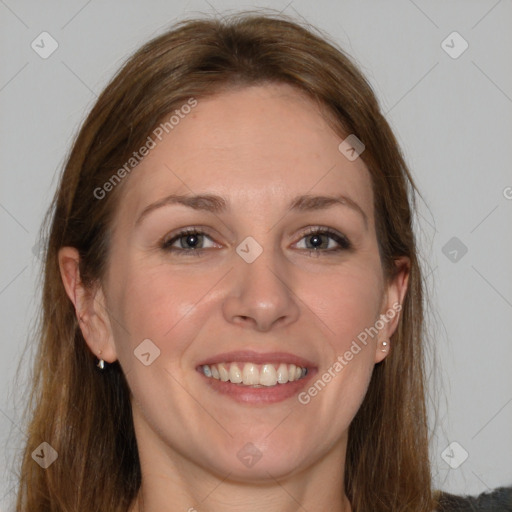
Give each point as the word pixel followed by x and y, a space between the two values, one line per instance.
pixel 188 241
pixel 320 240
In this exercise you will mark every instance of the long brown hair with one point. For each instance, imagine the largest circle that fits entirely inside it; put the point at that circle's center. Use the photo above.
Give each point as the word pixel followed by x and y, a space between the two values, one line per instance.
pixel 85 414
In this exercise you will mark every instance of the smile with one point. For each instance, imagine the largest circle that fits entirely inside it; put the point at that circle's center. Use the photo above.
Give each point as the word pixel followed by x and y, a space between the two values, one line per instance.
pixel 254 375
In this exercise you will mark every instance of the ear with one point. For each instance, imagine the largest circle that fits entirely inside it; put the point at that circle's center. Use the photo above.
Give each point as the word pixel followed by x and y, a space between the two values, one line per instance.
pixel 391 306
pixel 90 307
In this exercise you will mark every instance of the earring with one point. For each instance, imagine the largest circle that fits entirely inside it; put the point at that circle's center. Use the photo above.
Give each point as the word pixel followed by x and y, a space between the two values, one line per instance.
pixel 101 362
pixel 385 346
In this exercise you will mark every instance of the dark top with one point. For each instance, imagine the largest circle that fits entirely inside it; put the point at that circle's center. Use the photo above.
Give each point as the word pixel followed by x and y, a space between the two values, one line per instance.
pixel 499 499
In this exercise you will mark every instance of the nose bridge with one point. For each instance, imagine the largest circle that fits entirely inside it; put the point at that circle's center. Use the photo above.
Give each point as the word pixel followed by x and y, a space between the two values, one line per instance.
pixel 261 263
pixel 260 292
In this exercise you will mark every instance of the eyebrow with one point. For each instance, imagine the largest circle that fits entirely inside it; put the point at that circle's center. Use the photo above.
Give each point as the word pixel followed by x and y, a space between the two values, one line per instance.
pixel 217 204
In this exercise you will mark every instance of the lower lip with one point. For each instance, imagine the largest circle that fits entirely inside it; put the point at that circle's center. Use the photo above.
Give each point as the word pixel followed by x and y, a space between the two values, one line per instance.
pixel 264 395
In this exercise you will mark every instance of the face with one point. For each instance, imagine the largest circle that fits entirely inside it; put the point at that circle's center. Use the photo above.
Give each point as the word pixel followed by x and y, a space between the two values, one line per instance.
pixel 260 278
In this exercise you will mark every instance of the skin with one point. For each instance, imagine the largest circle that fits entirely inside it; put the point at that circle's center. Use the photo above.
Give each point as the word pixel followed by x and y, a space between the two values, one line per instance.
pixel 258 147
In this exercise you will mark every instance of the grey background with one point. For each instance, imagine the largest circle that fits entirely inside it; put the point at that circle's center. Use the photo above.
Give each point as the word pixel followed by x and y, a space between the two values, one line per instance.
pixel 452 117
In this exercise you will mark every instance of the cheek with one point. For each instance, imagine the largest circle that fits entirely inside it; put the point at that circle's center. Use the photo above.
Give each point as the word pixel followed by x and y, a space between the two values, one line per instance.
pixel 349 305
pixel 348 301
pixel 153 303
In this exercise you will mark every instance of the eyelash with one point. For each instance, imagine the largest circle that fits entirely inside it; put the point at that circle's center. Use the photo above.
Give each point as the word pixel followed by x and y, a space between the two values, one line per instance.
pixel 343 242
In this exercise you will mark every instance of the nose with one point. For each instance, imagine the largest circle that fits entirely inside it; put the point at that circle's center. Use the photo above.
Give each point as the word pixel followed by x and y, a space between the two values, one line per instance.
pixel 260 294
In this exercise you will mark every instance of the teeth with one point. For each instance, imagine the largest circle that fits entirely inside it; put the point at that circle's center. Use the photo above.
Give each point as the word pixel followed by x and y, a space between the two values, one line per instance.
pixel 249 374
pixel 235 375
pixel 224 374
pixel 282 374
pixel 268 375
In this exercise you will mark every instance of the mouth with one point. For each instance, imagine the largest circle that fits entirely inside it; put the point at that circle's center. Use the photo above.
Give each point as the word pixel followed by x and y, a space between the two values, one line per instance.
pixel 255 375
pixel 252 377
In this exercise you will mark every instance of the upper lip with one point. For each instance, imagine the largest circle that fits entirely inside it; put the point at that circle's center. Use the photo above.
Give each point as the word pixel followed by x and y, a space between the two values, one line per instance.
pixel 249 356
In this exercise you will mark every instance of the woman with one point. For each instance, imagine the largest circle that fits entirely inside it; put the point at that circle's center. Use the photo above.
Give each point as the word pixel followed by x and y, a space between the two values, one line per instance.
pixel 232 312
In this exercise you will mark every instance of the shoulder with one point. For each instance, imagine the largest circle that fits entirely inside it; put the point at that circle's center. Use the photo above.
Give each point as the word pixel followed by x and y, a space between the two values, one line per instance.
pixel 497 500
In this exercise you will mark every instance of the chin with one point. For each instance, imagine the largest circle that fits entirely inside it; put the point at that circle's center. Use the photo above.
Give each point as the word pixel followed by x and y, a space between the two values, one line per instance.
pixel 247 461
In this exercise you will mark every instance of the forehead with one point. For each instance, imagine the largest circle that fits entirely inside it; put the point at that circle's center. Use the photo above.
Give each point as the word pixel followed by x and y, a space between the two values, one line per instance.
pixel 259 146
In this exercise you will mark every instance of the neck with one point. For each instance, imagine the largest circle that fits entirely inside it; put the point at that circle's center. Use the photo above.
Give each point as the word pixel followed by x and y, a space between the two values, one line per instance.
pixel 145 503
pixel 192 489
pixel 197 477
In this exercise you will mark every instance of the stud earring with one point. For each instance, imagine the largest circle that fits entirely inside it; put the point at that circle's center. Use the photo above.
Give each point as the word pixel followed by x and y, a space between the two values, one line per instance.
pixel 385 346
